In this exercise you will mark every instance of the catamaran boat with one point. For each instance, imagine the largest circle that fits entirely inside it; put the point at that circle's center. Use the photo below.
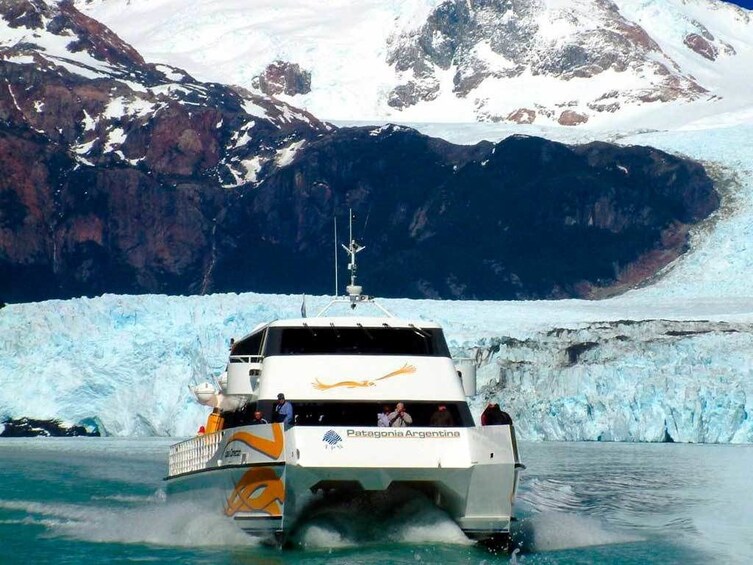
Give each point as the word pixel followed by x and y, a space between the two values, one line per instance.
pixel 339 374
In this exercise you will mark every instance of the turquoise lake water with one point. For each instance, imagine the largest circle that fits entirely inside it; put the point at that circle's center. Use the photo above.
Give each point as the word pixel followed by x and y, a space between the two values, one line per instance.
pixel 92 500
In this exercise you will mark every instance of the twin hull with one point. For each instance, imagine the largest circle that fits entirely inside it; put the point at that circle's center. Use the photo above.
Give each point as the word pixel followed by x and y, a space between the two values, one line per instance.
pixel 262 476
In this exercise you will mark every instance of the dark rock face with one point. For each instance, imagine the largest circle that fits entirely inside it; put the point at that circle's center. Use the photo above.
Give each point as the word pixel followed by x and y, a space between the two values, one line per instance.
pixel 282 77
pixel 113 172
pixel 121 176
pixel 526 218
pixel 29 427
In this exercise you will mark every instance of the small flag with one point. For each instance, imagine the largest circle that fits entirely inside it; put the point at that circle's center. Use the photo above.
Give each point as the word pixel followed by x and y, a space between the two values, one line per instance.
pixel 303 307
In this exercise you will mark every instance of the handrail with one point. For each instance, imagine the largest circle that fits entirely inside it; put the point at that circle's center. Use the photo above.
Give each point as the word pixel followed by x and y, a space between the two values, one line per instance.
pixel 246 358
pixel 349 301
pixel 193 454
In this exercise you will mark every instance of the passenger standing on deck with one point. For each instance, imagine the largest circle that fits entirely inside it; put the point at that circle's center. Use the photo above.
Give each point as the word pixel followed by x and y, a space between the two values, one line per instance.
pixel 283 411
pixel 494 416
pixel 400 418
pixel 441 418
pixel 383 418
pixel 258 419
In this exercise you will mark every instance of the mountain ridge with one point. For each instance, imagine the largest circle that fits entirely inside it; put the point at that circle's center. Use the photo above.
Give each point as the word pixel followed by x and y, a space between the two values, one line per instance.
pixel 152 181
pixel 600 63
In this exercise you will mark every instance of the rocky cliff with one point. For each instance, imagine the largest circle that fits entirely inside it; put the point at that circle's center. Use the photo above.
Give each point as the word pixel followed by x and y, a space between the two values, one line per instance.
pixel 524 218
pixel 113 171
pixel 117 175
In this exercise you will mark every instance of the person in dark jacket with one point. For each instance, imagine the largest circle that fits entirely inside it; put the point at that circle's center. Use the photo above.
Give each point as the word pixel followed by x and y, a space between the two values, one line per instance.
pixel 441 418
pixel 494 416
pixel 258 419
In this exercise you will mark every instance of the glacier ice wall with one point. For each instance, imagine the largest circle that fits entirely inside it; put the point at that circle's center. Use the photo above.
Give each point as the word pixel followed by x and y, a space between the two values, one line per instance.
pixel 657 380
pixel 124 360
pixel 570 370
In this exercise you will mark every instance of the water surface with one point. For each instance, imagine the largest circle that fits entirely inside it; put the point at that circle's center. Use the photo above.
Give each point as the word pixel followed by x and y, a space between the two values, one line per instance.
pixel 78 500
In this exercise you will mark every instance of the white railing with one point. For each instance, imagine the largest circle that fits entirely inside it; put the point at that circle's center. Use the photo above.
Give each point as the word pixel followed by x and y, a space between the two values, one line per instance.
pixel 193 454
pixel 246 358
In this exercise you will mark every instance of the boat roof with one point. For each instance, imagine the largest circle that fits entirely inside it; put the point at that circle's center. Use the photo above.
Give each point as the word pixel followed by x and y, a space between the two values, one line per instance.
pixel 352 322
pixel 344 322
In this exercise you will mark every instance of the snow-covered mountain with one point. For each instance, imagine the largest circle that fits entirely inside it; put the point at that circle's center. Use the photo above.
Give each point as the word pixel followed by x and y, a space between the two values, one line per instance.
pixel 73 80
pixel 147 180
pixel 640 64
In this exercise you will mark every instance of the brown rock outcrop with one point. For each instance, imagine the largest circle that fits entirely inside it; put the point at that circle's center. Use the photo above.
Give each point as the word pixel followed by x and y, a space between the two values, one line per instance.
pixel 282 77
pixel 572 118
pixel 702 46
pixel 522 116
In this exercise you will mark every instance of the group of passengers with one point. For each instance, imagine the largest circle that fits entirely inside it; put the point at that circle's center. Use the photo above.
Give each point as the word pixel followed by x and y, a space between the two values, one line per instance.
pixel 283 413
pixel 399 418
pixel 391 418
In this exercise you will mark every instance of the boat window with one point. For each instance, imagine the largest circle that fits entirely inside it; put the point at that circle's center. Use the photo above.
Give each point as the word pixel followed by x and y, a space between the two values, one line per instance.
pixel 250 345
pixel 338 413
pixel 360 340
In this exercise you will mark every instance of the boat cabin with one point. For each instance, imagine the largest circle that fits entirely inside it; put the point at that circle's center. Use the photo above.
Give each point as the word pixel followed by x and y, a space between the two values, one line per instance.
pixel 344 371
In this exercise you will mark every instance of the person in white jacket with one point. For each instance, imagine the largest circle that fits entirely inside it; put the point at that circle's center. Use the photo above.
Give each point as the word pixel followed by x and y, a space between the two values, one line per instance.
pixel 383 418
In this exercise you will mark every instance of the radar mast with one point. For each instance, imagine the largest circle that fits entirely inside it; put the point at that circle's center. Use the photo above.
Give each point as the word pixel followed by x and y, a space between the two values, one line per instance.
pixel 354 292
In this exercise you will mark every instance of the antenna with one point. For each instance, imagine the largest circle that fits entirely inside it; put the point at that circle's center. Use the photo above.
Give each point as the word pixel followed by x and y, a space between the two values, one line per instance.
pixel 337 291
pixel 353 290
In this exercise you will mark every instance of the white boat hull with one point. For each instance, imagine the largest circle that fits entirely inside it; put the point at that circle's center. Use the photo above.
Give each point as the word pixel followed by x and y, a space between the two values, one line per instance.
pixel 263 476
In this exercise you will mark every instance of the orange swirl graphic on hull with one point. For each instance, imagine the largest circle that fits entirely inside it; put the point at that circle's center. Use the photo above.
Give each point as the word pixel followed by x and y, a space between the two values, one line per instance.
pixel 269 447
pixel 405 369
pixel 258 490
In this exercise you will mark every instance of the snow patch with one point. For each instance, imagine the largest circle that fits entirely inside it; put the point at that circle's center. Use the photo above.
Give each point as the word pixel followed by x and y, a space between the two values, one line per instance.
pixel 20 59
pixel 83 148
pixel 253 109
pixel 89 122
pixel 286 155
pixel 171 73
pixel 115 138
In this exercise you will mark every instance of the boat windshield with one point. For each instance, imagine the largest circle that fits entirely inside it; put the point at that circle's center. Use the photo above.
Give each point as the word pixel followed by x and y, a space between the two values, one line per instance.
pixel 358 340
pixel 340 413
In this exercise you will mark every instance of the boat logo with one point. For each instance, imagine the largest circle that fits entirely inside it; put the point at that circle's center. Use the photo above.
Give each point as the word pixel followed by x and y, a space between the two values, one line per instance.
pixel 259 490
pixel 272 448
pixel 332 439
pixel 406 369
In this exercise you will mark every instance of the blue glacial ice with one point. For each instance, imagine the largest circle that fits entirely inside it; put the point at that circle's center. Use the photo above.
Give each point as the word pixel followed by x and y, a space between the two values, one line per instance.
pixel 622 369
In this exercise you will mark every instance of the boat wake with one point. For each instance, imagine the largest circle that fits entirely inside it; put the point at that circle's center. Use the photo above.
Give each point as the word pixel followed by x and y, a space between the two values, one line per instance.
pixel 155 522
pixel 392 516
pixel 551 517
pixel 553 531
